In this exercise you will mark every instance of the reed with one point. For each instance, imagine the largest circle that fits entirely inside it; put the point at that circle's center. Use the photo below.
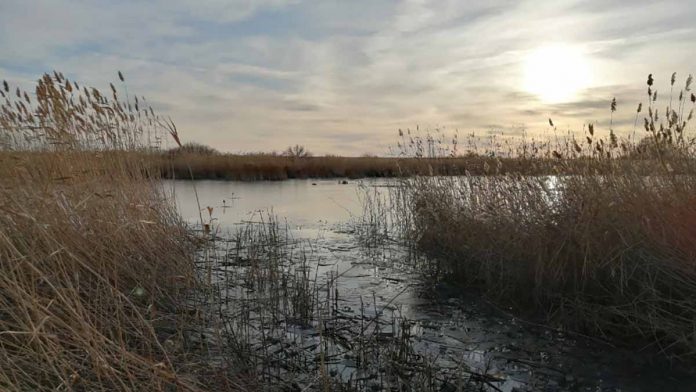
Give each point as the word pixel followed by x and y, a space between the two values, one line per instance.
pixel 103 287
pixel 268 167
pixel 96 263
pixel 604 245
pixel 288 326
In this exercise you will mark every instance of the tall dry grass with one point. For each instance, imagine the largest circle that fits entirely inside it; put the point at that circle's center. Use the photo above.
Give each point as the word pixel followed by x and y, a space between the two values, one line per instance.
pixel 94 261
pixel 606 245
pixel 260 167
pixel 420 154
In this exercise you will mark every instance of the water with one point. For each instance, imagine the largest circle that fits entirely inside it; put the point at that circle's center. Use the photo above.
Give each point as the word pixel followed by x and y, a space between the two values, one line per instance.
pixel 454 327
pixel 309 204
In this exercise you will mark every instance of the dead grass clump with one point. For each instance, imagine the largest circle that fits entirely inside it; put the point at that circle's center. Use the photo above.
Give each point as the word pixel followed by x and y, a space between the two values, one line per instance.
pixel 606 245
pixel 94 260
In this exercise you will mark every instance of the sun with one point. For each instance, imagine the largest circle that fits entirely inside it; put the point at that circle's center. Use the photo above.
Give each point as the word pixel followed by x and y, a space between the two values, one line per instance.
pixel 556 73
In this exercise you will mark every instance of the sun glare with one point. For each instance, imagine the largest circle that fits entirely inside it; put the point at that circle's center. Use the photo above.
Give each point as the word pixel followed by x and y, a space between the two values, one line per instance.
pixel 556 73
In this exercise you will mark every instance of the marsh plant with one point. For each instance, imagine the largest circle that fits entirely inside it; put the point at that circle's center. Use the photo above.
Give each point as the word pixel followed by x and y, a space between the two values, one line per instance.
pixel 104 287
pixel 95 261
pixel 603 245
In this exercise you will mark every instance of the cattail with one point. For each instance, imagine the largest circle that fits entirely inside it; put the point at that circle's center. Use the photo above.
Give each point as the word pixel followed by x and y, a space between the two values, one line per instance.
pixel 655 96
pixel 7 86
pixel 689 80
pixel 120 76
pixel 650 80
pixel 550 122
pixel 613 104
pixel 640 107
pixel 590 128
pixel 674 78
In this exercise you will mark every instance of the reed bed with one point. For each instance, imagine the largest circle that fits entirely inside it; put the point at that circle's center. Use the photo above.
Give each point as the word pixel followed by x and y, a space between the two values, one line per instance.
pixel 260 167
pixel 605 245
pixel 96 264
pixel 103 287
pixel 421 155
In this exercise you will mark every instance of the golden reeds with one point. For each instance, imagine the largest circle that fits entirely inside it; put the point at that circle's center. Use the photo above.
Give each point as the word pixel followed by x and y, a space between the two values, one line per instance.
pixel 606 243
pixel 95 261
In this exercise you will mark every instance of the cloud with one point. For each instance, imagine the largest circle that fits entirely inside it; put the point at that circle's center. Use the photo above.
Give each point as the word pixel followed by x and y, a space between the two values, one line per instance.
pixel 341 77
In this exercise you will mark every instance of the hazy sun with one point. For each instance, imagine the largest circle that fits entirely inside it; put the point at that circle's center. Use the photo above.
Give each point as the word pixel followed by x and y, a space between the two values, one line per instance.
pixel 556 73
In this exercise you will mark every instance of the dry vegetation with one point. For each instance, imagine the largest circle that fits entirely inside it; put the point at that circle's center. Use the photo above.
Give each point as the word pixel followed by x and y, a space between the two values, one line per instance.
pixel 425 155
pixel 273 167
pixel 95 261
pixel 420 155
pixel 98 271
pixel 104 288
pixel 608 249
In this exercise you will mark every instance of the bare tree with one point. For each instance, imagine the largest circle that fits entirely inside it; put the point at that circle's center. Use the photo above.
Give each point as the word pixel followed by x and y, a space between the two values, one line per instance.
pixel 297 151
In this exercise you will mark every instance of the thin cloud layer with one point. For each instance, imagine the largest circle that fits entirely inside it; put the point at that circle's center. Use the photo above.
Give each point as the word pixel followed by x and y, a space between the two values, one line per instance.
pixel 342 77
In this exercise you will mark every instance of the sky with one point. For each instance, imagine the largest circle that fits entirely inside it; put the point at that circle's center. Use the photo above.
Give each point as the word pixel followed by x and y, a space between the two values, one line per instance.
pixel 341 77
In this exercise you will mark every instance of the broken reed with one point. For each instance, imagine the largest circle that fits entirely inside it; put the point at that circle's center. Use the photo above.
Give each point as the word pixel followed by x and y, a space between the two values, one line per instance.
pixel 605 244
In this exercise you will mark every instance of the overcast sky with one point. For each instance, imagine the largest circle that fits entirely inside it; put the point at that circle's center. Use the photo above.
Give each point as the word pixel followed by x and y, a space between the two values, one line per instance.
pixel 342 77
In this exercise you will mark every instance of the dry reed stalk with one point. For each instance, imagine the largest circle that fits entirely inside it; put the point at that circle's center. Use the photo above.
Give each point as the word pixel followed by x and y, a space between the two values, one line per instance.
pixel 96 263
pixel 606 245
